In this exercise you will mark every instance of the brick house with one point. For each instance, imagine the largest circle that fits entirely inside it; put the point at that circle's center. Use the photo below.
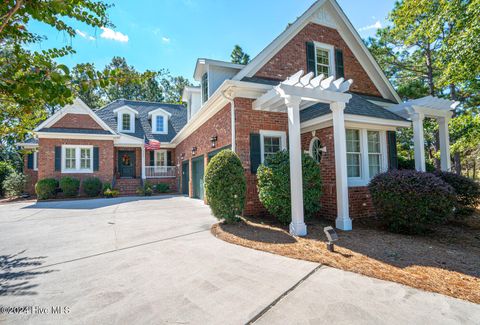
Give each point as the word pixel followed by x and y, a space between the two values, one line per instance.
pixel 127 142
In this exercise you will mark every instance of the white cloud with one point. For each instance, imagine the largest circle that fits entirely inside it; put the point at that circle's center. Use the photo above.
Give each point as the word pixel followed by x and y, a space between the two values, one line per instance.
pixel 165 39
pixel 377 25
pixel 91 38
pixel 113 35
pixel 84 35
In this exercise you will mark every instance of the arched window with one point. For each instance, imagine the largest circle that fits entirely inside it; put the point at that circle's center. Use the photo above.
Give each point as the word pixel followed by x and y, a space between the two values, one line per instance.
pixel 316 149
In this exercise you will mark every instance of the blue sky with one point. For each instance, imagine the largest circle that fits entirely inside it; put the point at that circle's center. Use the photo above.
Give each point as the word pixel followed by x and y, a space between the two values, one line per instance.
pixel 172 34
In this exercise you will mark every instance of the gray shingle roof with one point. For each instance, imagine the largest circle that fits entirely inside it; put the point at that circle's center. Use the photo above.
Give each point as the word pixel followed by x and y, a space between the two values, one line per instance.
pixel 143 126
pixel 69 130
pixel 31 141
pixel 358 105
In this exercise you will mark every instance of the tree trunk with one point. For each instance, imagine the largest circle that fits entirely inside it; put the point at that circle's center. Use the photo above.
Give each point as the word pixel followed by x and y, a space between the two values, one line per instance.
pixel 458 163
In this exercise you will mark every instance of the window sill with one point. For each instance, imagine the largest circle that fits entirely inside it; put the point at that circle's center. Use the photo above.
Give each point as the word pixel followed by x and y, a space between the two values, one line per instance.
pixel 75 171
pixel 358 182
pixel 159 132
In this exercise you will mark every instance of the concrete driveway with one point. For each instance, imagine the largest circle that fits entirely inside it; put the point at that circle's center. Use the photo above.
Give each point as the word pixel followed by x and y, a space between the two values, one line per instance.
pixel 153 260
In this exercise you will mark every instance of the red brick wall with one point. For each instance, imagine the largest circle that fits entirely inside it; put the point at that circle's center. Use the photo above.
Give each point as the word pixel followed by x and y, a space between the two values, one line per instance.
pixel 250 121
pixel 46 158
pixel 32 176
pixel 292 57
pixel 219 125
pixel 77 121
pixel 360 203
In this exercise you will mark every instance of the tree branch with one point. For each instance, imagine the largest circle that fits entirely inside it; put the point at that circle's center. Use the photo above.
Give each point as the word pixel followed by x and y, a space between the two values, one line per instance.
pixel 10 13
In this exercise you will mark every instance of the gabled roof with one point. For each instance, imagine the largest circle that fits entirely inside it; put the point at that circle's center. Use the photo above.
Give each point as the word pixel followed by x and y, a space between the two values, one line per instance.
pixel 327 12
pixel 202 62
pixel 77 107
pixel 143 128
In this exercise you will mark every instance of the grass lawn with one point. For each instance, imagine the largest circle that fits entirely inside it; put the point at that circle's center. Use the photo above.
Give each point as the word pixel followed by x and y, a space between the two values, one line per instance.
pixel 445 261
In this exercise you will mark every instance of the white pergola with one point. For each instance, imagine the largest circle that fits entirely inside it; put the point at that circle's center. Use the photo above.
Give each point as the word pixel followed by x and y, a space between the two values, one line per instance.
pixel 297 92
pixel 416 110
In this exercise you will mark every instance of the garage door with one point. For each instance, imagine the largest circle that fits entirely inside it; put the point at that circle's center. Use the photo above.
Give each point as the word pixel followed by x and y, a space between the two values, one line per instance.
pixel 197 177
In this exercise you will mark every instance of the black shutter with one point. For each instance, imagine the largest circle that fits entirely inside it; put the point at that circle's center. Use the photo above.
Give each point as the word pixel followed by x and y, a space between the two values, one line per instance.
pixel 152 158
pixel 310 57
pixel 255 153
pixel 58 158
pixel 392 150
pixel 30 161
pixel 96 156
pixel 339 70
pixel 169 158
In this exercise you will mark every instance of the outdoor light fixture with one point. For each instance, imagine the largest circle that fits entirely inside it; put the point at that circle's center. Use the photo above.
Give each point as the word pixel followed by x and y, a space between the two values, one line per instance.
pixel 182 156
pixel 331 236
pixel 194 151
pixel 213 140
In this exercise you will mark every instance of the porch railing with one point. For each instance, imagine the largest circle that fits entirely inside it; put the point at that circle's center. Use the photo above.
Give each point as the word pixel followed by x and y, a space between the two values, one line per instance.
pixel 160 171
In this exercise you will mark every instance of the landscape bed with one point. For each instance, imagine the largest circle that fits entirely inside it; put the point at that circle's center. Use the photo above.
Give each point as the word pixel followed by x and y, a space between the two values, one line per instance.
pixel 445 261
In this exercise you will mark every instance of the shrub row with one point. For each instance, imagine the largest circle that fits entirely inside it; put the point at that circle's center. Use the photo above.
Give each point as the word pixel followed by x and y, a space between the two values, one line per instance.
pixel 411 201
pixel 148 189
pixel 48 188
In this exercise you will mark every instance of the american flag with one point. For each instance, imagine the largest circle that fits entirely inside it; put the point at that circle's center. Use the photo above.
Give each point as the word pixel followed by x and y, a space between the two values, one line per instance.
pixel 152 145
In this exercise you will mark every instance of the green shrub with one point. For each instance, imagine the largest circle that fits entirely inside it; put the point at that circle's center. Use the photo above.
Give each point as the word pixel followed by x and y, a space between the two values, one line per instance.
pixel 109 193
pixel 14 184
pixel 46 188
pixel 274 186
pixel 225 186
pixel 162 188
pixel 92 186
pixel 69 186
pixel 5 170
pixel 146 189
pixel 107 186
pixel 411 201
pixel 467 192
pixel 404 163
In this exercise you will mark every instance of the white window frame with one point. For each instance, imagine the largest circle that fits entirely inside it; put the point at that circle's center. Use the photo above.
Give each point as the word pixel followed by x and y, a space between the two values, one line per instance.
pixel 267 133
pixel 331 56
pixel 165 123
pixel 364 178
pixel 77 169
pixel 132 122
pixel 35 160
pixel 155 158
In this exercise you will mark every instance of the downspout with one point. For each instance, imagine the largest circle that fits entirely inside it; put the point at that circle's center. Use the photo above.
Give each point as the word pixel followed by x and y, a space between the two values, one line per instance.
pixel 230 98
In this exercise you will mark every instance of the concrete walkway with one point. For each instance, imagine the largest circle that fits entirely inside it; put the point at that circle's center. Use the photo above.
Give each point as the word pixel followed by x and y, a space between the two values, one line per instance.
pixel 153 260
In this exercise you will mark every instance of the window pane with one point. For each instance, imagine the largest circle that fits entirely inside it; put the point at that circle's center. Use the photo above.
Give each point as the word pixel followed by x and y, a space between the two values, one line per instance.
pixel 373 164
pixel 323 61
pixel 70 158
pixel 271 145
pixel 161 158
pixel 159 123
pixel 126 122
pixel 373 142
pixel 85 158
pixel 353 140
pixel 353 153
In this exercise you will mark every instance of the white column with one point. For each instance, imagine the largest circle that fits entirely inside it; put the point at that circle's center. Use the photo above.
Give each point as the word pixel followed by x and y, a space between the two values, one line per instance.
pixel 444 143
pixel 297 226
pixel 343 220
pixel 418 141
pixel 143 162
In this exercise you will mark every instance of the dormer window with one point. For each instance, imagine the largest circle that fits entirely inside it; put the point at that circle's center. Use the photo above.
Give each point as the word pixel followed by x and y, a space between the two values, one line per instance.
pixel 125 119
pixel 159 119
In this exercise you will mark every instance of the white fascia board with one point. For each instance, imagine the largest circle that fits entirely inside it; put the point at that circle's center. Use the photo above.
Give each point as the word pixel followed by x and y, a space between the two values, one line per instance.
pixel 376 121
pixel 125 108
pixel 26 145
pixel 316 123
pixel 202 63
pixel 66 135
pixel 159 111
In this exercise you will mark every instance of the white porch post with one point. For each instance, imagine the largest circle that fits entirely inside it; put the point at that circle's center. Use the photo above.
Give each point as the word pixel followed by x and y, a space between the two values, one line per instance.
pixel 343 220
pixel 418 141
pixel 297 226
pixel 143 162
pixel 444 143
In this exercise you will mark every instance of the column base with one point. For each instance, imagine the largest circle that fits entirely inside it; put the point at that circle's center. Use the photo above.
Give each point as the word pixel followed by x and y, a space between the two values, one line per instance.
pixel 343 223
pixel 298 229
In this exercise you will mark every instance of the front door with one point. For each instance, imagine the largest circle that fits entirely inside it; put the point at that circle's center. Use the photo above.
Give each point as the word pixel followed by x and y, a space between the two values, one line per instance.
pixel 126 164
pixel 185 177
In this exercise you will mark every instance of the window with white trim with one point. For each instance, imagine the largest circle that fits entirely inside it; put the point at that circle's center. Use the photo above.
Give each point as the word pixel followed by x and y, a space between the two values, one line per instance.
pixel 366 155
pixel 160 158
pixel 35 160
pixel 324 60
pixel 316 149
pixel 126 123
pixel 271 142
pixel 160 123
pixel 159 126
pixel 77 159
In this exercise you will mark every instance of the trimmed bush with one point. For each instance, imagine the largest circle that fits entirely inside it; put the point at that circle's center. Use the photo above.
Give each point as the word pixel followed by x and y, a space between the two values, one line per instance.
pixel 162 188
pixel 5 170
pixel 109 193
pixel 225 186
pixel 411 201
pixel 107 186
pixel 146 189
pixel 274 186
pixel 46 188
pixel 467 192
pixel 92 186
pixel 14 184
pixel 69 186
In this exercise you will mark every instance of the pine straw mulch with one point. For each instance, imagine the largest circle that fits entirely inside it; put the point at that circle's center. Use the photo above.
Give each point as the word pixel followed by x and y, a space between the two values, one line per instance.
pixel 445 261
